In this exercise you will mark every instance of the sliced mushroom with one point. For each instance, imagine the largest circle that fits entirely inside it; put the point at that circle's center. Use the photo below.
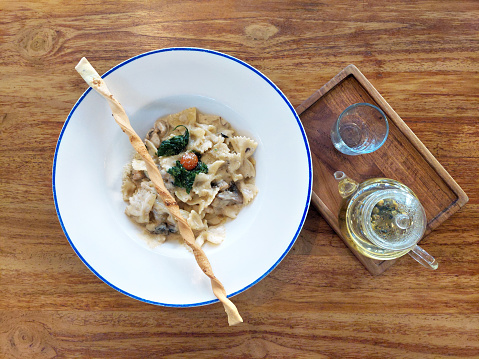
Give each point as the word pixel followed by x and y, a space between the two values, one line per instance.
pixel 151 147
pixel 155 139
pixel 231 197
pixel 161 128
pixel 162 228
pixel 222 184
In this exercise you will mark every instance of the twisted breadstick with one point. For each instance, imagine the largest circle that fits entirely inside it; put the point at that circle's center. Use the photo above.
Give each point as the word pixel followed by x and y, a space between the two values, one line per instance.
pixel 94 80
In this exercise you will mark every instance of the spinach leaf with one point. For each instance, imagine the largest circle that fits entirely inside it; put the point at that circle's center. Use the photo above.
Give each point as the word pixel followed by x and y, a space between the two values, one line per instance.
pixel 174 145
pixel 185 178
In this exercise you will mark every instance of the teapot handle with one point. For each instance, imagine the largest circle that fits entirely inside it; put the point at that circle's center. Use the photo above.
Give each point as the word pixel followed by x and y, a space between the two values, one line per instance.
pixel 423 257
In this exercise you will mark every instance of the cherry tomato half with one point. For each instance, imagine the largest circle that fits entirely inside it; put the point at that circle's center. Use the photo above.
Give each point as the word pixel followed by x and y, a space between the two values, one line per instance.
pixel 189 161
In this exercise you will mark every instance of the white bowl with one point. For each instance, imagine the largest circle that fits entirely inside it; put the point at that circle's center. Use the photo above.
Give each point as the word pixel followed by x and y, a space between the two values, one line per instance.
pixel 92 150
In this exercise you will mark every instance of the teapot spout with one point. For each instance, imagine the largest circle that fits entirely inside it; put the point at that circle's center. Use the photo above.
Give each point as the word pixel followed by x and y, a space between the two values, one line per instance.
pixel 346 185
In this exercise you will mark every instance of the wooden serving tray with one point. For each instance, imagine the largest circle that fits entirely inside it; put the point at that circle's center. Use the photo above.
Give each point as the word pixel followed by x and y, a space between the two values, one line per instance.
pixel 402 157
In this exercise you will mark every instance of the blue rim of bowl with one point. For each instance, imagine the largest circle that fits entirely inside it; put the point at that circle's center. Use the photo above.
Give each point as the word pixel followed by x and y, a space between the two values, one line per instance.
pixel 306 207
pixel 336 126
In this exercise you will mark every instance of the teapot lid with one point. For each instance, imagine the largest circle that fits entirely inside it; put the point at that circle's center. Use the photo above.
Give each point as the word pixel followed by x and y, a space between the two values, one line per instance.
pixel 393 219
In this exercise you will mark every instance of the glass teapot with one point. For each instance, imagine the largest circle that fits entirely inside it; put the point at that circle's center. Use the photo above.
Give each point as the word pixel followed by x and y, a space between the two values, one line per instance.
pixel 382 219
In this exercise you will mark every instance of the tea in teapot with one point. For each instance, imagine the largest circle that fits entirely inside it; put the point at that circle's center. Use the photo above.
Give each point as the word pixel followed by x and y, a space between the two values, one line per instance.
pixel 382 219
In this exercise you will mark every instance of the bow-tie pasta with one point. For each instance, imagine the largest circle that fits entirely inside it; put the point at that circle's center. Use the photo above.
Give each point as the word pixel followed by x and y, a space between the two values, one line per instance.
pixel 204 164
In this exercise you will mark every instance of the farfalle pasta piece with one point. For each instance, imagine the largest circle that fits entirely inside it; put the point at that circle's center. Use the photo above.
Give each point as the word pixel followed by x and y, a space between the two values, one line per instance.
pixel 186 118
pixel 202 184
pixel 235 161
pixel 215 167
pixel 196 222
pixel 198 140
pixel 247 169
pixel 243 145
pixel 248 191
pixel 221 151
pixel 140 205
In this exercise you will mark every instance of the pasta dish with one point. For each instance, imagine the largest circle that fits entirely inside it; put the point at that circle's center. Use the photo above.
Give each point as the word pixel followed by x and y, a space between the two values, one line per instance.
pixel 205 165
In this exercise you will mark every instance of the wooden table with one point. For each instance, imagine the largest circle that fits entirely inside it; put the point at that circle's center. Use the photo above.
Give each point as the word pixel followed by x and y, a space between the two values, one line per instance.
pixel 320 302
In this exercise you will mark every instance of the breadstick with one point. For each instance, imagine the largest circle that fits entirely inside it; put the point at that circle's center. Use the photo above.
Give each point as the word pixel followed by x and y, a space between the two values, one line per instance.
pixel 91 77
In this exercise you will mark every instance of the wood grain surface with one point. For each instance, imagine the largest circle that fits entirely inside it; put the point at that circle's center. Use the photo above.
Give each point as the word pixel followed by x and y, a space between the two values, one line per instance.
pixel 320 302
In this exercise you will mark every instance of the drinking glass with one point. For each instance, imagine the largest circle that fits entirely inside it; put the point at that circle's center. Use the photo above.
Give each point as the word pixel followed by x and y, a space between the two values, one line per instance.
pixel 361 128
